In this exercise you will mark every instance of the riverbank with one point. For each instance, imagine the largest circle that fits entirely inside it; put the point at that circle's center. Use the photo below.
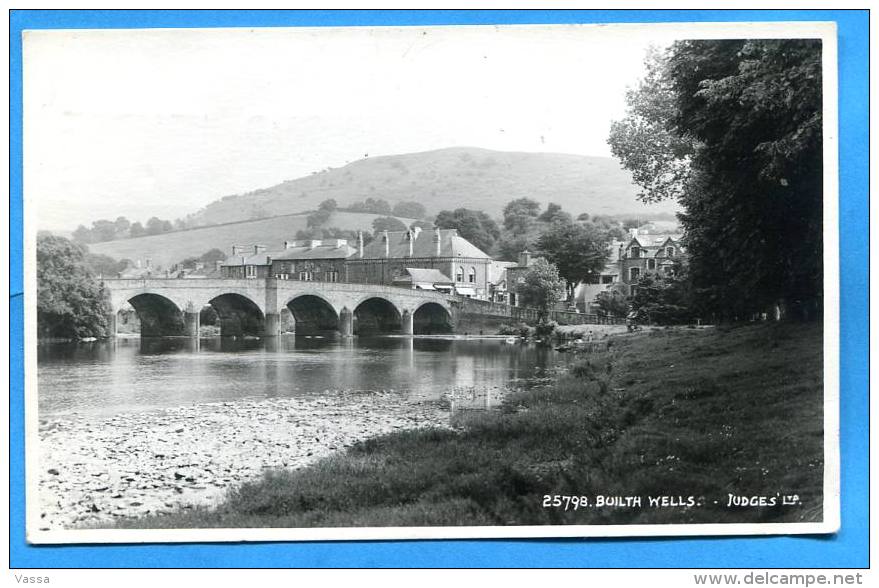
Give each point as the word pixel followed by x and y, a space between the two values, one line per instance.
pixel 94 472
pixel 685 416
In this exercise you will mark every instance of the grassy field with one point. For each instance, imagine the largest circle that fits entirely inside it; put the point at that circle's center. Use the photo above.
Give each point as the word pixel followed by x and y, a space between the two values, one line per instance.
pixel 169 248
pixel 676 413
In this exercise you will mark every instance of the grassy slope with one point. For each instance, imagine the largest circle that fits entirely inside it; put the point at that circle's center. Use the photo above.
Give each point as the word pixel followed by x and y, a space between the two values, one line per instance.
pixel 670 412
pixel 450 178
pixel 170 248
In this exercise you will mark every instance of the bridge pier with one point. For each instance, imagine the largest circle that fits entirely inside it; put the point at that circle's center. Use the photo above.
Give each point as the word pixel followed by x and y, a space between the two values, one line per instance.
pixel 111 325
pixel 346 322
pixel 273 325
pixel 407 324
pixel 191 323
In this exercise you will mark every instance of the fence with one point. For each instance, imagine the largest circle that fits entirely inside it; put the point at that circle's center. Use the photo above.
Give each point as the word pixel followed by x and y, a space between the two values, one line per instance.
pixel 516 313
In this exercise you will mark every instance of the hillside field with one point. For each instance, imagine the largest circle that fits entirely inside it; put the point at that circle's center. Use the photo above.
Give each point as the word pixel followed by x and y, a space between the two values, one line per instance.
pixel 467 177
pixel 169 248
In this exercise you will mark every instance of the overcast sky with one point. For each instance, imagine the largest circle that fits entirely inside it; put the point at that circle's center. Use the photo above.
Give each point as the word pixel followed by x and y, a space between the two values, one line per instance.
pixel 143 123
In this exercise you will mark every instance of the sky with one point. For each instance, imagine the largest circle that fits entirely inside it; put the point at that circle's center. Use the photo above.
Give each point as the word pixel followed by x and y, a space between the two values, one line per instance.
pixel 162 122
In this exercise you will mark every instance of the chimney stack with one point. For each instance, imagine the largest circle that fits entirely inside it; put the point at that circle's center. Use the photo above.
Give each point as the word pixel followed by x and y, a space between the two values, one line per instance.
pixel 437 239
pixel 257 249
pixel 410 236
pixel 525 258
pixel 360 244
pixel 387 243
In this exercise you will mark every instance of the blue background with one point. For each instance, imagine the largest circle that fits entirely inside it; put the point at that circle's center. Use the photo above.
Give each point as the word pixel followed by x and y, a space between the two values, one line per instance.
pixel 848 548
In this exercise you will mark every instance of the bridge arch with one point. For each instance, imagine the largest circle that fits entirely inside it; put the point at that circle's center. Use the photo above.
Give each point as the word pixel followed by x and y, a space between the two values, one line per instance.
pixel 376 314
pixel 312 313
pixel 431 318
pixel 159 316
pixel 239 315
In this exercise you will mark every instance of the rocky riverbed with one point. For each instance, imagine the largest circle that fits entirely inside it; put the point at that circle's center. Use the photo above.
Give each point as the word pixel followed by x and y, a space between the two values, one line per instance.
pixel 95 471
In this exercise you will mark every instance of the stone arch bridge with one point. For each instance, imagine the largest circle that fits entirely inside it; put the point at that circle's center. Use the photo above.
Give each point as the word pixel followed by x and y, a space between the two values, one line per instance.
pixel 169 306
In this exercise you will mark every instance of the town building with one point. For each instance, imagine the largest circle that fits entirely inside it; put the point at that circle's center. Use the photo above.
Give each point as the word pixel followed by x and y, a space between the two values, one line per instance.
pixel 647 253
pixel 392 254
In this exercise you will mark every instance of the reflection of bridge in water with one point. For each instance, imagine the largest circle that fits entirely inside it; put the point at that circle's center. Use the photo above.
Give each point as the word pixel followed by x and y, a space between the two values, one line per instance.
pixel 169 307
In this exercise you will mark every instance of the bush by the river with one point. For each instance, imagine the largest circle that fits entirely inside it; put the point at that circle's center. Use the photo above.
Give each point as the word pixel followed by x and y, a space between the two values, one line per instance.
pixel 71 303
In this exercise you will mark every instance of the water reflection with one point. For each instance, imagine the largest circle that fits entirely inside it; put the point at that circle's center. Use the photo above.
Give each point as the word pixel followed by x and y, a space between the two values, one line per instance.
pixel 106 377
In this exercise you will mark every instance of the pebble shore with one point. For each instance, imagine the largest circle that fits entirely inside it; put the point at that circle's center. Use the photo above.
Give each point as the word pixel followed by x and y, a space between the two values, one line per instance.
pixel 94 471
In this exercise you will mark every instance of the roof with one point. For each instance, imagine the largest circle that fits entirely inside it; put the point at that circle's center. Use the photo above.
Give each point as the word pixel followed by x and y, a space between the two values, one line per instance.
pixel 655 240
pixel 258 259
pixel 332 250
pixel 424 245
pixel 428 276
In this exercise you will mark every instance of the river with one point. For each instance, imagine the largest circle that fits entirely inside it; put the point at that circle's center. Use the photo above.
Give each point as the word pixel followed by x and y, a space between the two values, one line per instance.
pixel 105 378
pixel 135 427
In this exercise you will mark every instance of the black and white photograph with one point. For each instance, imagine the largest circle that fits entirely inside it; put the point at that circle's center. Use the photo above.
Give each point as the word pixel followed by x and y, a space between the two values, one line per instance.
pixel 412 282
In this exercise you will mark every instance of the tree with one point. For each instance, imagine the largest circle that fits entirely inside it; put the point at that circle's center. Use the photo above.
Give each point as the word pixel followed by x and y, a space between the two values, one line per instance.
pixel 387 223
pixel 474 225
pixel 154 226
pixel 664 300
pixel 318 218
pixel 122 225
pixel 520 215
pixel 612 303
pixel 554 214
pixel 579 251
pixel 646 142
pixel 541 288
pixel 82 235
pixel 212 256
pixel 329 205
pixel 70 302
pixel 136 230
pixel 103 230
pixel 104 265
pixel 733 130
pixel 371 205
pixel 410 210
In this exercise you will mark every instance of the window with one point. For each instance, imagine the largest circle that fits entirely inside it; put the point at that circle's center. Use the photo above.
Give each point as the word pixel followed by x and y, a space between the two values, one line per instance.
pixel 250 271
pixel 607 279
pixel 332 276
pixel 471 275
pixel 670 251
pixel 306 276
pixel 636 252
pixel 651 264
pixel 459 276
pixel 634 273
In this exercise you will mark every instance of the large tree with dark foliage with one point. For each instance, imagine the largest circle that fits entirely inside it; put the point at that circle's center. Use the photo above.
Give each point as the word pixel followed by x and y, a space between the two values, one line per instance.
pixel 733 130
pixel 578 250
pixel 474 225
pixel 70 302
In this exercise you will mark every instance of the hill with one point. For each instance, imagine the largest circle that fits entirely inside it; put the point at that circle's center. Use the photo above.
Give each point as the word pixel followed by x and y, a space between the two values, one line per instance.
pixel 169 248
pixel 449 178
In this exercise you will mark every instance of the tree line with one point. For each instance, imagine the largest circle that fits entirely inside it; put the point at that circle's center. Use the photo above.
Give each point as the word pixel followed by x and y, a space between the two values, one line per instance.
pixel 121 228
pixel 732 129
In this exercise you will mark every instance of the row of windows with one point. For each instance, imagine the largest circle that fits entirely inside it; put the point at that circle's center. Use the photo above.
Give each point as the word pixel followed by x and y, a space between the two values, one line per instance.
pixel 635 272
pixel 332 276
pixel 636 252
pixel 471 275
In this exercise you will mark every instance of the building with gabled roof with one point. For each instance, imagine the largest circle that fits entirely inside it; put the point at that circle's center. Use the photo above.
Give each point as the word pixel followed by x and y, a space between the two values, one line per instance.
pixel 388 257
